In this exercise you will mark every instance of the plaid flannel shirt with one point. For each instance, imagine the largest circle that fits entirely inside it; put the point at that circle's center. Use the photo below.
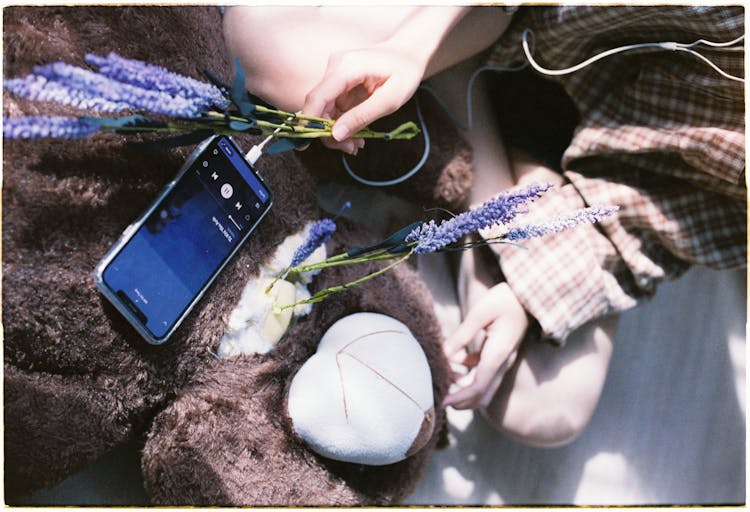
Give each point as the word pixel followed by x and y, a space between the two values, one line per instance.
pixel 661 135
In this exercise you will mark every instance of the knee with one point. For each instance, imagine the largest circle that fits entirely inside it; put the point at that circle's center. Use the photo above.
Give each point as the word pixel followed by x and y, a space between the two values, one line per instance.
pixel 285 50
pixel 551 394
pixel 270 58
pixel 546 429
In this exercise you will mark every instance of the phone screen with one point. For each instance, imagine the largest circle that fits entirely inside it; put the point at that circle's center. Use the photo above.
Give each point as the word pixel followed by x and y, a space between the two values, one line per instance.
pixel 186 238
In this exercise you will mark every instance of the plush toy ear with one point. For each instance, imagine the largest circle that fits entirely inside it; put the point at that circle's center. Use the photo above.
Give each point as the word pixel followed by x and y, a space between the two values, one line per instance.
pixel 445 177
pixel 79 380
pixel 227 439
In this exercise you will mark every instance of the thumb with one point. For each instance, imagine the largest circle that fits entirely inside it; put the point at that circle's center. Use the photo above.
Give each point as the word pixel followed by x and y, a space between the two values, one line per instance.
pixel 384 100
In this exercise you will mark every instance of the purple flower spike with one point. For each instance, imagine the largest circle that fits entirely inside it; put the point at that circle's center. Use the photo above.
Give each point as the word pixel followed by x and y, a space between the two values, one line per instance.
pixel 135 98
pixel 320 233
pixel 36 127
pixel 431 237
pixel 156 78
pixel 560 223
pixel 38 88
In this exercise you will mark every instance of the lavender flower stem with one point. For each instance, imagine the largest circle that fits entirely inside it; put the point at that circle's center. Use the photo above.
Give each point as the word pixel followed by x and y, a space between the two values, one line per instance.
pixel 404 131
pixel 266 128
pixel 500 210
pixel 341 259
pixel 156 78
pixel 562 222
pixel 322 294
pixel 281 113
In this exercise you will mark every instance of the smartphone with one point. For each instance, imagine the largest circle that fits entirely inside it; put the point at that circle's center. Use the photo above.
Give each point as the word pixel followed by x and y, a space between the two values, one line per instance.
pixel 166 260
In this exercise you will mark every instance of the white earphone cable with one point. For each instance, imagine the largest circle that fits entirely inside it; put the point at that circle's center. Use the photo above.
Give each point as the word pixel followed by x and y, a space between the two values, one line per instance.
pixel 528 43
pixel 528 34
pixel 714 66
pixel 714 44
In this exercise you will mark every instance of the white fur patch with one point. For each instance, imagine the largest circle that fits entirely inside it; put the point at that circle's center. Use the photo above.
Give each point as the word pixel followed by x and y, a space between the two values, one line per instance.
pixel 253 325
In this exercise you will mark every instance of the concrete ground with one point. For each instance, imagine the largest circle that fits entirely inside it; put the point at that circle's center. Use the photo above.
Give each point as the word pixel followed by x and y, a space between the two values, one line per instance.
pixel 669 429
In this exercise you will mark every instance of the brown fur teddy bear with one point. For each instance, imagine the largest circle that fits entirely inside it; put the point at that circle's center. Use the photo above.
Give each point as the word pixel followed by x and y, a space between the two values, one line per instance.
pixel 78 380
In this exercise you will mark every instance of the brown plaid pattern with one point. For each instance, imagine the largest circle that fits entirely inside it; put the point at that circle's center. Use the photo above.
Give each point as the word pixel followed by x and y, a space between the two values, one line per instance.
pixel 661 135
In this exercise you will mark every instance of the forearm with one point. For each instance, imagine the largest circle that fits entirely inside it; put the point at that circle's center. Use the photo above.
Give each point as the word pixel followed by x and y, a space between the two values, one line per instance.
pixel 423 32
pixel 446 35
pixel 477 30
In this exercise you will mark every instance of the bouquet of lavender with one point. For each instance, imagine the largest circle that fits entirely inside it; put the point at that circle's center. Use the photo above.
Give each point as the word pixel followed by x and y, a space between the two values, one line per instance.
pixel 430 237
pixel 187 108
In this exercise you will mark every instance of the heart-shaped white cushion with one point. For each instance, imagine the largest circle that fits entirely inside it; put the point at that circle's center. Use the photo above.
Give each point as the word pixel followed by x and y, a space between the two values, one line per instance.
pixel 366 395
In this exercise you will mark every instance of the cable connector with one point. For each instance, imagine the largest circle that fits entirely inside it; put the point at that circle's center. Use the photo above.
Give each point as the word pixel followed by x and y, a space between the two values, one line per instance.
pixel 670 45
pixel 256 151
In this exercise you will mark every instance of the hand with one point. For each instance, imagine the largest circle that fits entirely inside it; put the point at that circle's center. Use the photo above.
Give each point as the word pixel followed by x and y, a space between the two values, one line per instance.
pixel 361 86
pixel 504 322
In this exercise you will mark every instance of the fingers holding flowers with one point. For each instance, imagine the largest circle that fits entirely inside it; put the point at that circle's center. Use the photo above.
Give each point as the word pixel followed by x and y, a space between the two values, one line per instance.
pixel 361 86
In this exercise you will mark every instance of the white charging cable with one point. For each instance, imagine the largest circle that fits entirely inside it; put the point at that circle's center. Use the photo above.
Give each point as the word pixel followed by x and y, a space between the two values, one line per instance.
pixel 714 66
pixel 256 151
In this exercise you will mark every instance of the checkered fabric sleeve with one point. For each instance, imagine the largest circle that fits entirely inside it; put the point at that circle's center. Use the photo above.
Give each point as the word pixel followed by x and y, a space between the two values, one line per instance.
pixel 661 135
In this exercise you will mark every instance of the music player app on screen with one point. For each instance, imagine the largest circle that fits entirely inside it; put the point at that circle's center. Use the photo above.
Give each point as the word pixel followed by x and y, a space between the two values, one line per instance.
pixel 186 238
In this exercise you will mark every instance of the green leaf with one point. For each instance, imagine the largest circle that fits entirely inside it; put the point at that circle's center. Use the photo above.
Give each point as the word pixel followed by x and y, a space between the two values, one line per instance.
pixel 239 94
pixel 286 144
pixel 218 82
pixel 241 126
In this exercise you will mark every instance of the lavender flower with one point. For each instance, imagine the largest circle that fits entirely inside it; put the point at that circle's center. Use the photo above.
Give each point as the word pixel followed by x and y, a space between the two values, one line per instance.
pixel 156 78
pixel 560 223
pixel 320 233
pixel 38 88
pixel 431 237
pixel 35 127
pixel 133 97
pixel 82 88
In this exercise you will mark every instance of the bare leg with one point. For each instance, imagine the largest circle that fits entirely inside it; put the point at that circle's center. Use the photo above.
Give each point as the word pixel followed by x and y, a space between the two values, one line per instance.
pixel 477 269
pixel 550 394
pixel 284 50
